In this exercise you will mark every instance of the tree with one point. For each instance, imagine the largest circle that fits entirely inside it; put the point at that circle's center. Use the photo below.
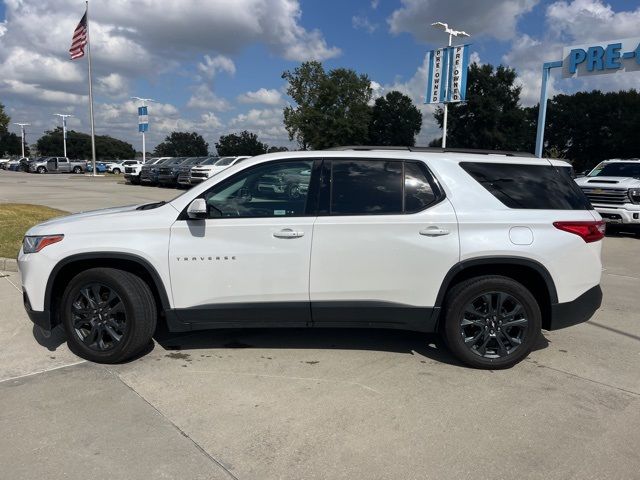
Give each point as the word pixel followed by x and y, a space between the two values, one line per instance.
pixel 79 145
pixel 588 127
pixel 491 117
pixel 395 120
pixel 276 149
pixel 332 108
pixel 243 143
pixel 9 142
pixel 182 144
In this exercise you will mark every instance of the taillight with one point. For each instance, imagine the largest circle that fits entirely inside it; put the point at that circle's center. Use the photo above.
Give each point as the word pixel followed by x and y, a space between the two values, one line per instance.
pixel 590 231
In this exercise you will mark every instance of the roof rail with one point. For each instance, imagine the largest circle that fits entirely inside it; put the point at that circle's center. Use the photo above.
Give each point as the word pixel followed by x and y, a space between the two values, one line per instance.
pixel 435 150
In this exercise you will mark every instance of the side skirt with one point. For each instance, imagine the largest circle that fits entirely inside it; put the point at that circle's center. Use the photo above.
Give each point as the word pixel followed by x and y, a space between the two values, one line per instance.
pixel 357 314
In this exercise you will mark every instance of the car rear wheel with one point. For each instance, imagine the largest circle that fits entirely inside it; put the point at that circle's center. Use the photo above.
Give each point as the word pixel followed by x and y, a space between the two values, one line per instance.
pixel 491 322
pixel 42 170
pixel 109 315
pixel 77 170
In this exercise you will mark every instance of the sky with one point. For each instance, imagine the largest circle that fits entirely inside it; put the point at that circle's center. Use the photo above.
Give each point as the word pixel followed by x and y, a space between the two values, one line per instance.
pixel 215 66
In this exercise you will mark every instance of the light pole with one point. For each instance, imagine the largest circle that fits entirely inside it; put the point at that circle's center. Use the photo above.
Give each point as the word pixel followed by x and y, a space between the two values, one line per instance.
pixel 22 125
pixel 452 33
pixel 64 116
pixel 143 130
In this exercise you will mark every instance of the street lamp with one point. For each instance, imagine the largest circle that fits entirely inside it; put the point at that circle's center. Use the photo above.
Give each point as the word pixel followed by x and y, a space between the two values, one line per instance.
pixel 144 145
pixel 64 116
pixel 22 125
pixel 452 33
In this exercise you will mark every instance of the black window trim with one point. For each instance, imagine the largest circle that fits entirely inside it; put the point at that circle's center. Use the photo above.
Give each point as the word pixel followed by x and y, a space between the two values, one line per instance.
pixel 325 210
pixel 311 209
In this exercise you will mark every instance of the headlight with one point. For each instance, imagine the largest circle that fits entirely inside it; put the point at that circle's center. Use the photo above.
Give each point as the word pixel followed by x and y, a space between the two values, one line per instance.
pixel 634 195
pixel 35 244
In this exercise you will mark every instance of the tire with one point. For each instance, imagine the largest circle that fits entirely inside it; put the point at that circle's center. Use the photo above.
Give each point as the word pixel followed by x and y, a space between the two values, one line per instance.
pixel 41 170
pixel 116 171
pixel 133 318
pixel 483 341
pixel 77 170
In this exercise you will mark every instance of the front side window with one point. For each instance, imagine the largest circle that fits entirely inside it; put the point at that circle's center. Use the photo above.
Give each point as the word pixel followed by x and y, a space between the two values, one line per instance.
pixel 270 190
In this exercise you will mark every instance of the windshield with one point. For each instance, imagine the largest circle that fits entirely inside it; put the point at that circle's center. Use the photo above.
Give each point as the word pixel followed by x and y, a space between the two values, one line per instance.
pixel 617 169
pixel 224 161
pixel 210 161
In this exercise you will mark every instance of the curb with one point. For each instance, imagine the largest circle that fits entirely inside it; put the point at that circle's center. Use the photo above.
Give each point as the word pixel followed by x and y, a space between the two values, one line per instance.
pixel 8 264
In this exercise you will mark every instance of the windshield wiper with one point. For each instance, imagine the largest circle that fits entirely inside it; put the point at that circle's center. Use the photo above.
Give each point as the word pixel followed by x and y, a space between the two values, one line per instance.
pixel 150 206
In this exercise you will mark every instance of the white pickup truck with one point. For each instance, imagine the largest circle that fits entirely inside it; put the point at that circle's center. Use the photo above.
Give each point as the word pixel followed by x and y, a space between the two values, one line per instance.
pixel 613 187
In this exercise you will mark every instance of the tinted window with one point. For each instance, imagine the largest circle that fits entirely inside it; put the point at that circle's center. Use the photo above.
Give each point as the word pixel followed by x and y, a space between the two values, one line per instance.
pixel 366 187
pixel 271 190
pixel 529 186
pixel 418 191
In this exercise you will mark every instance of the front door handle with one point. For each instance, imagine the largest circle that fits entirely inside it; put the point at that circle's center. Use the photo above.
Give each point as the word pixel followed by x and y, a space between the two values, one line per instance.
pixel 288 233
pixel 434 232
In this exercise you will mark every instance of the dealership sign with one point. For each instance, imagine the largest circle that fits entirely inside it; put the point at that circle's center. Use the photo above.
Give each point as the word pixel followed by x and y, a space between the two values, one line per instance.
pixel 611 57
pixel 143 119
pixel 447 76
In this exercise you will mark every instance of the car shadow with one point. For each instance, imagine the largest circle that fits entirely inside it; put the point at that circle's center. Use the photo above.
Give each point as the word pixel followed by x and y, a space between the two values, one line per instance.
pixel 621 232
pixel 427 345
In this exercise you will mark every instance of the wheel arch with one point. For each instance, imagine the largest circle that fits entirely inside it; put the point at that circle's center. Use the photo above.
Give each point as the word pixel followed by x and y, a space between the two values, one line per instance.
pixel 70 266
pixel 532 274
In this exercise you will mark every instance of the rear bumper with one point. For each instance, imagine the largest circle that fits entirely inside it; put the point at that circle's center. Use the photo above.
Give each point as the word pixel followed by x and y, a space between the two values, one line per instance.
pixel 576 311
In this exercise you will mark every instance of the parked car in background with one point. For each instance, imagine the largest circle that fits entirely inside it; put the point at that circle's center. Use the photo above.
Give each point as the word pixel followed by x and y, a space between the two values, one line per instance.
pixel 132 172
pixel 14 165
pixel 3 163
pixel 25 163
pixel 56 165
pixel 101 167
pixel 119 167
pixel 184 171
pixel 168 172
pixel 149 173
pixel 613 188
pixel 212 166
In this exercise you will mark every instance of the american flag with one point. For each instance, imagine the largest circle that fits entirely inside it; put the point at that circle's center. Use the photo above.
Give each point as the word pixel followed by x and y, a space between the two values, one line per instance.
pixel 79 39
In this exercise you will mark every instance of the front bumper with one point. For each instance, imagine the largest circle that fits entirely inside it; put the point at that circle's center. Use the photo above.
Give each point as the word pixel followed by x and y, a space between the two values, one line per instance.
pixel 576 311
pixel 170 179
pixel 626 215
pixel 42 319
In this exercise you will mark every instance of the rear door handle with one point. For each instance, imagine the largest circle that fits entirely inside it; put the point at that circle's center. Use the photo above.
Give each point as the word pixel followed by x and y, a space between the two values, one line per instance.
pixel 288 233
pixel 434 232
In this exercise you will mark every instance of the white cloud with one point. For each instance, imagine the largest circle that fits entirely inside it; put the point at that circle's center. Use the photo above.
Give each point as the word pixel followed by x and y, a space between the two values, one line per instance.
pixel 492 18
pixel 204 99
pixel 212 65
pixel 113 85
pixel 363 23
pixel 267 123
pixel 263 95
pixel 375 3
pixel 475 58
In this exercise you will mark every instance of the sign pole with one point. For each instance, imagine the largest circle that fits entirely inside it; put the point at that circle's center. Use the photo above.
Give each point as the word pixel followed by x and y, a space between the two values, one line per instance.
pixel 446 114
pixel 542 108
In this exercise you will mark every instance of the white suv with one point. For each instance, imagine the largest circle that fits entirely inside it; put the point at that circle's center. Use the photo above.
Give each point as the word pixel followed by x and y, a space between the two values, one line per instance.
pixel 486 249
pixel 212 166
pixel 613 187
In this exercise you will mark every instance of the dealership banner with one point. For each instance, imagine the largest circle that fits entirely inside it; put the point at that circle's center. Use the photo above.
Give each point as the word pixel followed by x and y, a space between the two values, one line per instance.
pixel 143 119
pixel 447 76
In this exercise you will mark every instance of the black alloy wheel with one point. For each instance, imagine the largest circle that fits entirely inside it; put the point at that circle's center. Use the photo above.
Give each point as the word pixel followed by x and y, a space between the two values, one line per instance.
pixel 491 321
pixel 99 317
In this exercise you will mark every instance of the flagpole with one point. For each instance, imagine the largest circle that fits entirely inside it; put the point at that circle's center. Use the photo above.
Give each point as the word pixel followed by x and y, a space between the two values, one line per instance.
pixel 93 138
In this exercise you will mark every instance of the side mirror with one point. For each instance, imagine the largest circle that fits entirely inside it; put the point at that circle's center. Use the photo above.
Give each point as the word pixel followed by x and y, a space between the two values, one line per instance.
pixel 197 209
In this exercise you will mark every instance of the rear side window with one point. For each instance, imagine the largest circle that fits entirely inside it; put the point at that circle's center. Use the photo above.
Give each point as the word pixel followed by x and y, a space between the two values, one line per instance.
pixel 366 187
pixel 418 190
pixel 539 187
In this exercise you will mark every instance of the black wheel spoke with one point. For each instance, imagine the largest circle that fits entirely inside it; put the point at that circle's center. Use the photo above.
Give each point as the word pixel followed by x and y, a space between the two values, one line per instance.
pixel 493 324
pixel 99 316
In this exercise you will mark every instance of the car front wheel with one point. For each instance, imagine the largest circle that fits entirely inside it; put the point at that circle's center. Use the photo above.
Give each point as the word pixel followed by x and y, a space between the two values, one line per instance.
pixel 42 170
pixel 491 322
pixel 116 171
pixel 109 315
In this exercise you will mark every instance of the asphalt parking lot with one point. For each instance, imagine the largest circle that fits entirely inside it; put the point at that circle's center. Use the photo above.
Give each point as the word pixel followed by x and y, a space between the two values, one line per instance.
pixel 316 404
